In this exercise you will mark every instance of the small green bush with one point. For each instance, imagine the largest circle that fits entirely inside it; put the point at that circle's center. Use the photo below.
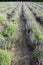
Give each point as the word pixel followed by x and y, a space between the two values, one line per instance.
pixel 2 20
pixel 41 52
pixel 10 33
pixel 5 57
pixel 2 41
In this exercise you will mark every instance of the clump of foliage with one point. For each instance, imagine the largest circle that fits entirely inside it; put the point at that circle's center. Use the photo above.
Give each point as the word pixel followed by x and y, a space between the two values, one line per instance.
pixel 39 16
pixel 10 33
pixel 35 58
pixel 2 20
pixel 5 57
pixel 40 51
pixel 9 14
pixel 2 42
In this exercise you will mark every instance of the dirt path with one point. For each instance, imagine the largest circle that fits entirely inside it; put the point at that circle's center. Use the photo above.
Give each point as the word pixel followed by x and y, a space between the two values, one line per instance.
pixel 21 52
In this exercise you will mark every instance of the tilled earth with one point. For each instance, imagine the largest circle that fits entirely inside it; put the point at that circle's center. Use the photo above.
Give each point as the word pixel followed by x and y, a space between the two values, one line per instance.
pixel 21 53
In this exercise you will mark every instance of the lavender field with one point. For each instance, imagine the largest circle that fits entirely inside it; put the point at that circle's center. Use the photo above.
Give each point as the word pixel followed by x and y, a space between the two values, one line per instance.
pixel 21 33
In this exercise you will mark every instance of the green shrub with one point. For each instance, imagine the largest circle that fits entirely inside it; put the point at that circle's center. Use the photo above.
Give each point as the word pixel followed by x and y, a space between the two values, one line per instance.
pixel 10 33
pixel 10 30
pixel 41 52
pixel 2 42
pixel 2 20
pixel 5 57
